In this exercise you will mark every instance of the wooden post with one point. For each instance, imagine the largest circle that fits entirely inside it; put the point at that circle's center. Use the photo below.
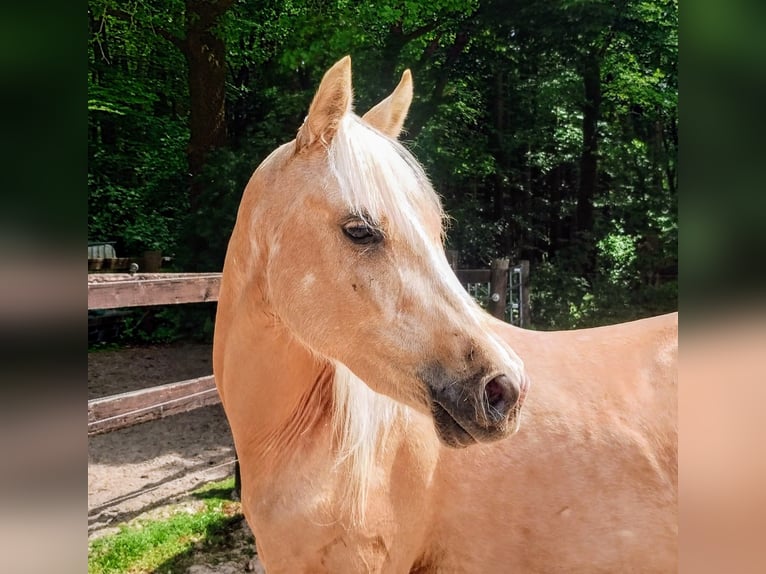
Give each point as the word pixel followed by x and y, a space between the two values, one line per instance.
pixel 498 287
pixel 237 477
pixel 525 314
pixel 152 261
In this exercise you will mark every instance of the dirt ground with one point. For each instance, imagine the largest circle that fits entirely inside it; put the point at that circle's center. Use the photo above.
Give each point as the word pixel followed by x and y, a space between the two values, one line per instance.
pixel 134 470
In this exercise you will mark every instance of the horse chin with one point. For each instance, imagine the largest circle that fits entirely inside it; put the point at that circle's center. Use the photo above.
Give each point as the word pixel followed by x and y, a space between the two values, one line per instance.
pixel 449 431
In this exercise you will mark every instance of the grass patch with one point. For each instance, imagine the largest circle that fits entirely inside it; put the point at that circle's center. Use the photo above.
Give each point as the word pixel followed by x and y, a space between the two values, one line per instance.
pixel 161 545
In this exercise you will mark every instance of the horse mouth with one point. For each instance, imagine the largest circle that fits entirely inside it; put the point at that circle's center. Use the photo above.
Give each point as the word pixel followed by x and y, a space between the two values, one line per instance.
pixel 456 426
pixel 448 429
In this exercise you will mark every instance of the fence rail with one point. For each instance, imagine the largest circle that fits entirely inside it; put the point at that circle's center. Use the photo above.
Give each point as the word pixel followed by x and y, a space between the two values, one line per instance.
pixel 127 409
pixel 115 290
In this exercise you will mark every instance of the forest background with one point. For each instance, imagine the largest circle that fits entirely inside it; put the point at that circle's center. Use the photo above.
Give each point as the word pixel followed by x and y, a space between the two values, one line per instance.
pixel 550 129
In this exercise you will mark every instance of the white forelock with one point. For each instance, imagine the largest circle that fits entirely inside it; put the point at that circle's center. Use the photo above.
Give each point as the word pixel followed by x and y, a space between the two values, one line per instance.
pixel 380 180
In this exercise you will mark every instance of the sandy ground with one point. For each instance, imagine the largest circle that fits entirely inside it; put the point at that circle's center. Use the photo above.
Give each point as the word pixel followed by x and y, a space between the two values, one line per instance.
pixel 151 464
pixel 142 470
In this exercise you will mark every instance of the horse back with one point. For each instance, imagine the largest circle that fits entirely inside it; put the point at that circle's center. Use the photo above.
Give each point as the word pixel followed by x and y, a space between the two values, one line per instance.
pixel 593 465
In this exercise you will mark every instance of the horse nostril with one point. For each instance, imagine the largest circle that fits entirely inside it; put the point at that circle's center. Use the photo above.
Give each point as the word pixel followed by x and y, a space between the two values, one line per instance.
pixel 501 395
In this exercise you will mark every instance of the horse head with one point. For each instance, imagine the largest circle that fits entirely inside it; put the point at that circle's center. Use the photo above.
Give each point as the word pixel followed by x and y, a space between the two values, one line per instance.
pixel 348 234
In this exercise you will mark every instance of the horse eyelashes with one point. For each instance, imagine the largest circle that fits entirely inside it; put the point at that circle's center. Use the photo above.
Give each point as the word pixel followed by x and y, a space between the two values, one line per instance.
pixel 362 233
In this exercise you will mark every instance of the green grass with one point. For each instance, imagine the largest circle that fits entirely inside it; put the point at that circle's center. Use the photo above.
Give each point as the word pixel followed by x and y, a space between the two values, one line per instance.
pixel 160 545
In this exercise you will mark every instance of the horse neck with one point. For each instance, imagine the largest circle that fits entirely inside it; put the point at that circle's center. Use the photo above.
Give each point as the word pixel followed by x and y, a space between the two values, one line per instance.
pixel 272 386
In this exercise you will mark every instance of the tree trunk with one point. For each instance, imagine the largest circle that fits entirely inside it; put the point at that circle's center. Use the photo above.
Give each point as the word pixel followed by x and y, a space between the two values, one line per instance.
pixel 423 111
pixel 669 145
pixel 591 73
pixel 554 211
pixel 206 56
pixel 392 48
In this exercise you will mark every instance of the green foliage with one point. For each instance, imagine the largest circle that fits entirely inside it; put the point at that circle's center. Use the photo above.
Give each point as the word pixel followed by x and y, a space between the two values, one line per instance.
pixel 155 325
pixel 498 120
pixel 616 292
pixel 137 133
pixel 151 325
pixel 225 177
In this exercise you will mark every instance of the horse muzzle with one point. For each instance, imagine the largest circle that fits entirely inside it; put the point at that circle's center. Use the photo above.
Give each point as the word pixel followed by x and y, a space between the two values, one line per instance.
pixel 474 409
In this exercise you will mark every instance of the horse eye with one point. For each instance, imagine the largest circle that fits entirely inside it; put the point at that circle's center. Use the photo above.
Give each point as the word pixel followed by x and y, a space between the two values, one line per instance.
pixel 361 233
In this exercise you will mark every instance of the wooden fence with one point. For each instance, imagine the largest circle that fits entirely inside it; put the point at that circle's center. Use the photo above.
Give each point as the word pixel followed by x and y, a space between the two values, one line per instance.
pixel 116 290
pixel 506 300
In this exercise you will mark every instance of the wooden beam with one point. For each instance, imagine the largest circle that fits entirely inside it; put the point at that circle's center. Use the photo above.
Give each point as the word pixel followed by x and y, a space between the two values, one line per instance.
pixel 113 264
pixel 114 290
pixel 127 409
pixel 525 309
pixel 498 290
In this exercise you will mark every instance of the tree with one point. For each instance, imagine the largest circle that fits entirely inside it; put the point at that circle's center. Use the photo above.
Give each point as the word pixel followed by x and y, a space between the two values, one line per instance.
pixel 117 27
pixel 549 128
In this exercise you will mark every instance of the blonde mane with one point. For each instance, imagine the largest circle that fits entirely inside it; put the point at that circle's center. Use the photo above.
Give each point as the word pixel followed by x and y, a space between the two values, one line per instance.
pixel 362 420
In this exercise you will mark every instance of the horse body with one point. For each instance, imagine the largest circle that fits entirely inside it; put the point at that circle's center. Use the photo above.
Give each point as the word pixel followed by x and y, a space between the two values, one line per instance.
pixel 341 475
pixel 588 483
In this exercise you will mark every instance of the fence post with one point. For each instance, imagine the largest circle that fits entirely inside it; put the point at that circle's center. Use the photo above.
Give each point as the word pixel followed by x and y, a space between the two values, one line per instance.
pixel 525 314
pixel 237 477
pixel 498 287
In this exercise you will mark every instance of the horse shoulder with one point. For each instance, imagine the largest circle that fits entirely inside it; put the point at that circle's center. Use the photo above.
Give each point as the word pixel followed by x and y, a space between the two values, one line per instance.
pixel 302 520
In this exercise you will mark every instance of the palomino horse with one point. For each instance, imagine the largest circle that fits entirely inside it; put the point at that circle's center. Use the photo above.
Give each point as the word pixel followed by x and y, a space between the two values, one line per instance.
pixel 353 367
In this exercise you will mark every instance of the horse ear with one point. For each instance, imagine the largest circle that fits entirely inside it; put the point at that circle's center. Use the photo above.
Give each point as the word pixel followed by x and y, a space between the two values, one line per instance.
pixel 331 102
pixel 389 115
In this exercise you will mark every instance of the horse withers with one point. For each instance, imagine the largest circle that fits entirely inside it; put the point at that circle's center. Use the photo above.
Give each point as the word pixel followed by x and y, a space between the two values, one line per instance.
pixel 384 422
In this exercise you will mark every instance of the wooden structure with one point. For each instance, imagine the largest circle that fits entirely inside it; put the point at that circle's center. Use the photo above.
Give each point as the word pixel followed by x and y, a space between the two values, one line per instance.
pixel 102 259
pixel 117 290
pixel 128 409
pixel 508 288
